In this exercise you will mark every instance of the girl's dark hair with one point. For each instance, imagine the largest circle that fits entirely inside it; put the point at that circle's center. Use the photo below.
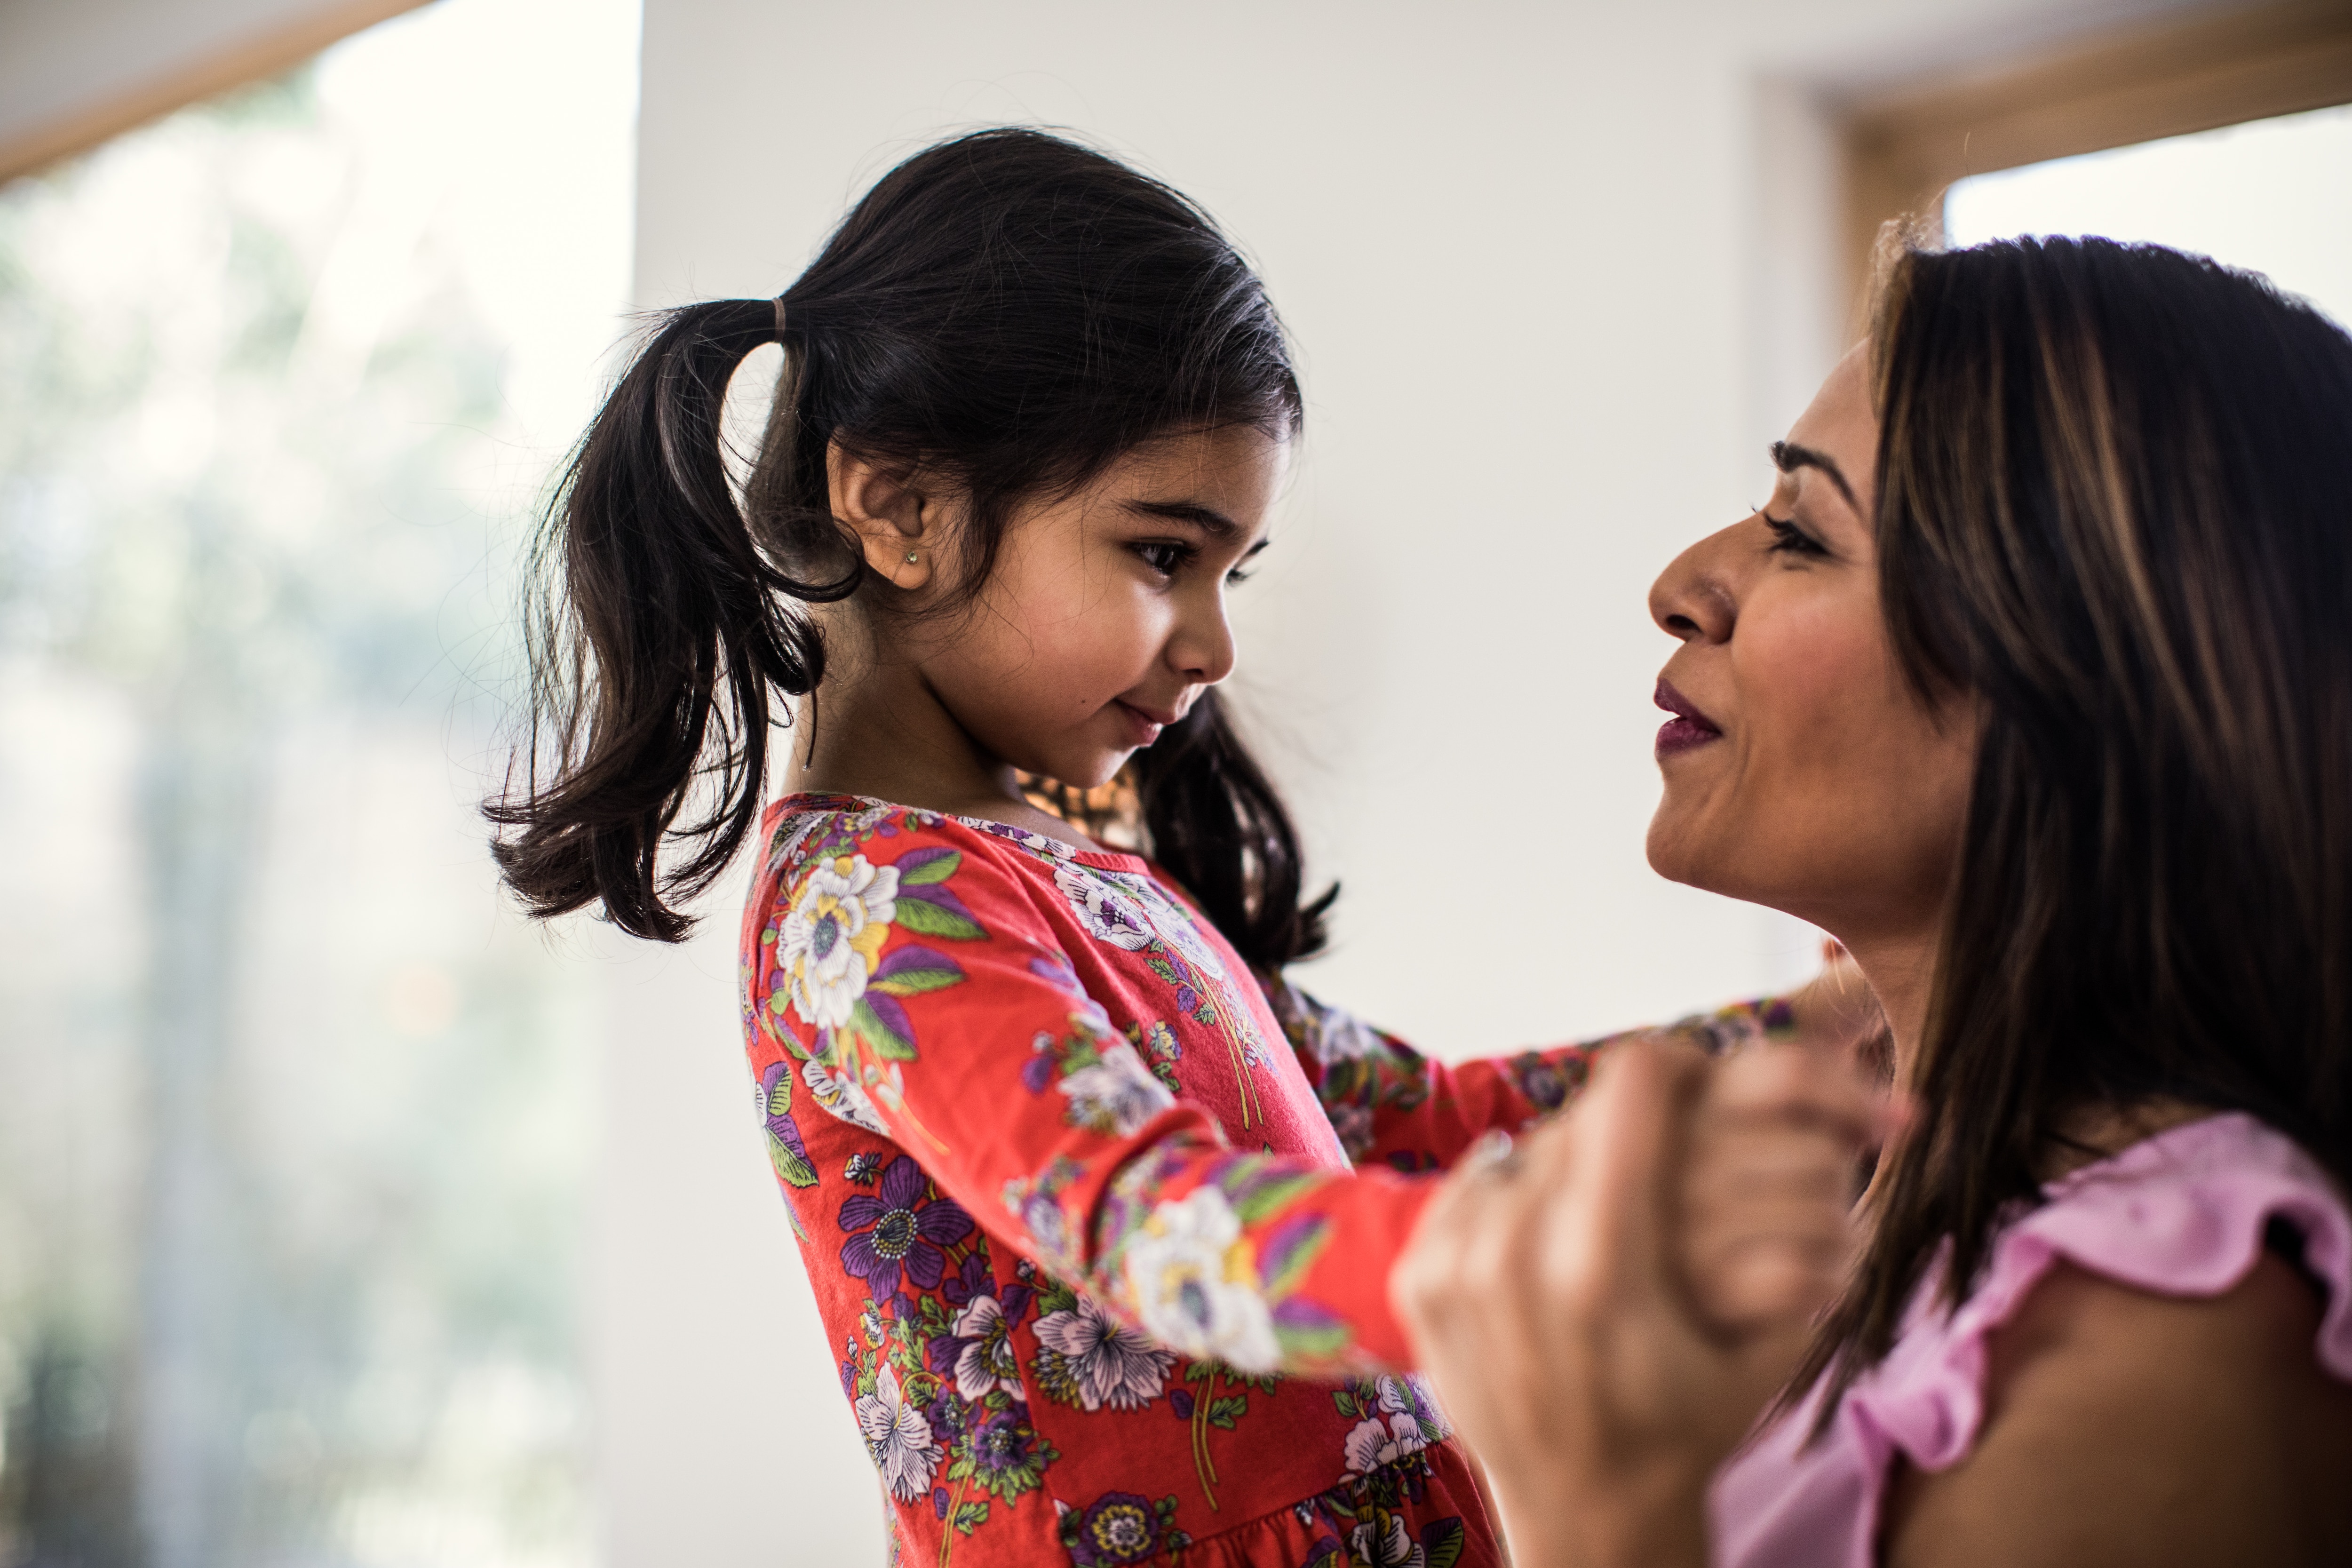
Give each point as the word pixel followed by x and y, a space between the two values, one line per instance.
pixel 1007 309
pixel 2115 505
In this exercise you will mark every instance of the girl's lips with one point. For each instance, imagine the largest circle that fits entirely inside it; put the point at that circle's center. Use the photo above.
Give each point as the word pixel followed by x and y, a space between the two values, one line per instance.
pixel 1687 729
pixel 1142 726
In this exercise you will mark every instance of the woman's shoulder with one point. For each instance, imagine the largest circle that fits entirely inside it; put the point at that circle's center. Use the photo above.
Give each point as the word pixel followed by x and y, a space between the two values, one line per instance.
pixel 2174 1323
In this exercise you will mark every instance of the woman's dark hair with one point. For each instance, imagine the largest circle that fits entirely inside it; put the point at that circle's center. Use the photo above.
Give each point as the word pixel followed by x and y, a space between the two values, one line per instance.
pixel 2115 507
pixel 1006 310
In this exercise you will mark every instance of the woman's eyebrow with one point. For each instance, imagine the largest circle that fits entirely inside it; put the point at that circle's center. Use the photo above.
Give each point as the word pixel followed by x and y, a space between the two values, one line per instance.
pixel 1788 457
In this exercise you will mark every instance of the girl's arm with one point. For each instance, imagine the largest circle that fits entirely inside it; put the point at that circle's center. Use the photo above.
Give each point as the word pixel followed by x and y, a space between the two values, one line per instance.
pixel 1391 1105
pixel 904 978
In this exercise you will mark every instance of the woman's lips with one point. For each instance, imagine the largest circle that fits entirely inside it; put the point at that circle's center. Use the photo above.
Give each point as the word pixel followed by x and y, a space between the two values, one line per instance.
pixel 1688 727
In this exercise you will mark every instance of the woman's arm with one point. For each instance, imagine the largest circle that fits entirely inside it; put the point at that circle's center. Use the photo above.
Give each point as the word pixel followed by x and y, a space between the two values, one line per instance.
pixel 2126 1428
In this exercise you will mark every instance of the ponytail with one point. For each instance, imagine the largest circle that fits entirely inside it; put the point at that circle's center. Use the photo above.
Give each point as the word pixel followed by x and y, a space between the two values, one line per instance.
pixel 659 631
pixel 1217 824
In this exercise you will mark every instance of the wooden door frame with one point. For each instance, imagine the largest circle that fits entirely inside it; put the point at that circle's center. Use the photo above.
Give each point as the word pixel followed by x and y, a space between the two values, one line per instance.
pixel 1903 148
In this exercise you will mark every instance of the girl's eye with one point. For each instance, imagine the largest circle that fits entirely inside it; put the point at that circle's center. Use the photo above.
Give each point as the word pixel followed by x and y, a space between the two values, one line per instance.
pixel 1787 538
pixel 1240 574
pixel 1163 556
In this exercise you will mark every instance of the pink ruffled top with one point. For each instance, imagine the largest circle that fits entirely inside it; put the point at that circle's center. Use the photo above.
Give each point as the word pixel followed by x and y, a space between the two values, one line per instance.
pixel 2182 1213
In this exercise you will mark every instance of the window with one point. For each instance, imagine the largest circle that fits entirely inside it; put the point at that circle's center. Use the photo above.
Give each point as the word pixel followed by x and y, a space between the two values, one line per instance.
pixel 295 1118
pixel 1904 149
pixel 2270 195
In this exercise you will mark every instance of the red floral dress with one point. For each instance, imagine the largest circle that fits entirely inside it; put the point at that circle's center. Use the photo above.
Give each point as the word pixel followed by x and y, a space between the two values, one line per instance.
pixel 1101 1225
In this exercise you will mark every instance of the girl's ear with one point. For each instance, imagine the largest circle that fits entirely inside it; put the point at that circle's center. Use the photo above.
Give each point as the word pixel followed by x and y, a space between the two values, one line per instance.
pixel 896 522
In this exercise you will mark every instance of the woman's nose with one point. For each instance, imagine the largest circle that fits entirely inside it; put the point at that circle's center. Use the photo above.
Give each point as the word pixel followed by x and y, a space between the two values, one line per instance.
pixel 1694 598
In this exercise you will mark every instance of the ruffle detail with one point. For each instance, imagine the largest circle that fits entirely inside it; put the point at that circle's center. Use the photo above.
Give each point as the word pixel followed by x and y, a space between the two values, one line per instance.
pixel 2181 1214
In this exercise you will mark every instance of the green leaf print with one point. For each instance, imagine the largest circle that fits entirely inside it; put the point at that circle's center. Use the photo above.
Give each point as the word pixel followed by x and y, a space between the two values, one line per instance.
pixel 971 1517
pixel 887 1041
pixel 1445 1550
pixel 791 1169
pixel 933 871
pixel 780 1098
pixel 1259 1199
pixel 1224 1411
pixel 928 919
pixel 915 982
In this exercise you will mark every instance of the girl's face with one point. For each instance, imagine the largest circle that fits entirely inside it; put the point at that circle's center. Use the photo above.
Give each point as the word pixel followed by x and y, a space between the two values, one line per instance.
pixel 1104 618
pixel 1800 771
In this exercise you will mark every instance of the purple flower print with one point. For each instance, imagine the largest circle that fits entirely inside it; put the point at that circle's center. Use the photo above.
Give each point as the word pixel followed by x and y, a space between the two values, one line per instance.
pixel 1116 1528
pixel 1055 968
pixel 976 1353
pixel 950 1417
pixel 972 1280
pixel 897 1228
pixel 1000 1443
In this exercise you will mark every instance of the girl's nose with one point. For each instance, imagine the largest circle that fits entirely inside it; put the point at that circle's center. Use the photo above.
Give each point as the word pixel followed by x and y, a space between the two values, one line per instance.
pixel 1694 598
pixel 1202 650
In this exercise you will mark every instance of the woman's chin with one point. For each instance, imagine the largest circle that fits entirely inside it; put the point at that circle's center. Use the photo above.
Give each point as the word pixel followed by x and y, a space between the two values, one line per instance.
pixel 1676 848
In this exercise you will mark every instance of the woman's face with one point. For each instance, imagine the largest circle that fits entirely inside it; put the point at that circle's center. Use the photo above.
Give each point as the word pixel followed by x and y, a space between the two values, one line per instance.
pixel 1801 771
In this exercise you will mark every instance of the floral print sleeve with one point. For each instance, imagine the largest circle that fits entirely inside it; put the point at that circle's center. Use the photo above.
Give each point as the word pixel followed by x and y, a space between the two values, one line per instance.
pixel 1391 1105
pixel 1073 1062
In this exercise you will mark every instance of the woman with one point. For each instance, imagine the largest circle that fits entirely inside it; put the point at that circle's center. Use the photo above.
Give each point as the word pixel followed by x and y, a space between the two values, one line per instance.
pixel 2032 684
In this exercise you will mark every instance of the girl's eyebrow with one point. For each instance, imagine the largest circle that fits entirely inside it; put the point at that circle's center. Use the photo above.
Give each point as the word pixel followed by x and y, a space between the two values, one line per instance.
pixel 1208 520
pixel 1788 457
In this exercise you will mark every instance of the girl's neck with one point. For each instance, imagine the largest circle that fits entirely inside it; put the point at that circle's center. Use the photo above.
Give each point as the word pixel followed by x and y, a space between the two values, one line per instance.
pixel 877 729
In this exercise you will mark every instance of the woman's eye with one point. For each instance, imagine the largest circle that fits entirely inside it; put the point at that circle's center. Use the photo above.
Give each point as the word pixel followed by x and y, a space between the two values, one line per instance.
pixel 1787 538
pixel 1240 574
pixel 1163 556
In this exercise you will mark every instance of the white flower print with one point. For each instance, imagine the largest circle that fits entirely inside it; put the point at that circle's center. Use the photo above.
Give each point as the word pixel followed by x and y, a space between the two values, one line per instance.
pixel 1337 1036
pixel 838 1095
pixel 1374 1443
pixel 1109 913
pixel 1195 1284
pixel 986 1361
pixel 1117 1094
pixel 1412 1395
pixel 1384 1543
pixel 1050 1231
pixel 833 935
pixel 1107 1362
pixel 897 1437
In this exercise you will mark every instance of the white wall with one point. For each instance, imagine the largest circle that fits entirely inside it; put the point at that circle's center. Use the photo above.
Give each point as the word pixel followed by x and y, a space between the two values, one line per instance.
pixel 1556 272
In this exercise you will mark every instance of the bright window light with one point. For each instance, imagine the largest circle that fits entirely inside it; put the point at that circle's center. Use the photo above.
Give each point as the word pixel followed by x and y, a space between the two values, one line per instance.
pixel 2273 195
pixel 296 1117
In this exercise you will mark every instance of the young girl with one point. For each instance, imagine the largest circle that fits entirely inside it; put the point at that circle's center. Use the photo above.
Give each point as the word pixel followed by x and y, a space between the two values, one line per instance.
pixel 1079 1179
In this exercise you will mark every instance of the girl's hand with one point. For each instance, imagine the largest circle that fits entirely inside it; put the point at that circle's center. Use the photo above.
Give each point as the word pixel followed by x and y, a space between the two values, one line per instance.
pixel 1607 1313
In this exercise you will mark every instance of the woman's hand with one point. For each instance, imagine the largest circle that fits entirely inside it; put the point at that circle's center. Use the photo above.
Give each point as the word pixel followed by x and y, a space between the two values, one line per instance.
pixel 1607 1312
